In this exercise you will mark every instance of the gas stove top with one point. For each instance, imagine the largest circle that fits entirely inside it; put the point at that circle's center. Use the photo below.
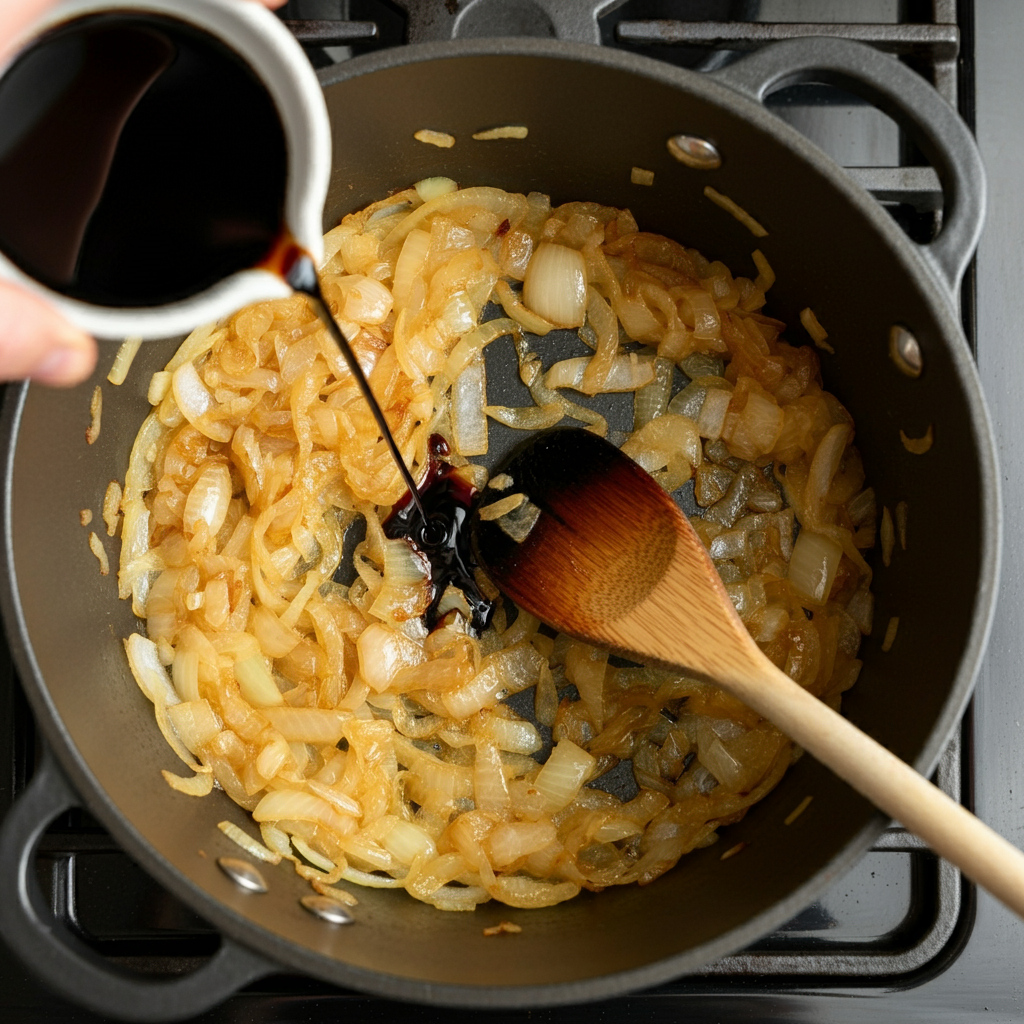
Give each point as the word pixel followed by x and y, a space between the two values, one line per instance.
pixel 902 937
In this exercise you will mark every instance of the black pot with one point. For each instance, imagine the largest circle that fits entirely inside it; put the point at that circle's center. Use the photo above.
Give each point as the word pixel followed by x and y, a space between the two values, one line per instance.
pixel 592 115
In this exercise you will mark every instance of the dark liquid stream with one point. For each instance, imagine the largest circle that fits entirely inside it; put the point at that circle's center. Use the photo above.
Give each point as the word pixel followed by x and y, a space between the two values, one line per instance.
pixel 433 516
pixel 299 270
pixel 142 161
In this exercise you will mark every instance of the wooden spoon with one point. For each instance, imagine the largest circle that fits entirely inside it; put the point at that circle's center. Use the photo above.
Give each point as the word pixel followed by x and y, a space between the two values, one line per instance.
pixel 611 560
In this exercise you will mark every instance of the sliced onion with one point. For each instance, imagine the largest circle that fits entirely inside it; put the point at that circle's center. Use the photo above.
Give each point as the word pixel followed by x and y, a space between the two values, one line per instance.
pixel 861 608
pixel 405 842
pixel 185 673
pixel 615 829
pixel 731 206
pixel 902 509
pixel 563 774
pixel 342 801
pixel 529 417
pixel 887 536
pixel 707 325
pixel 256 683
pixel 410 263
pixel 370 744
pixel 890 633
pixel 370 880
pixel 712 413
pixel 208 499
pixel 431 188
pixel 111 507
pixel 815 330
pixel 823 468
pixel 469 398
pixel 196 402
pixel 863 508
pixel 765 275
pixel 314 858
pixel 319 726
pixel 530 894
pixel 383 653
pixel 555 286
pixel 512 841
pixel 666 442
pixel 195 723
pixel 97 548
pixel 296 805
pixel 507 131
pixel 627 372
pixel 919 445
pixel 159 386
pixel 149 672
pixel 140 476
pixel 363 300
pixel 505 672
pixel 812 569
pixel 123 360
pixel 433 138
pixel 247 843
pixel 504 205
pixel 276 755
pixel 513 734
pixel 526 318
pixel 196 345
pixel 652 399
pixel 200 784
pixel 275 639
pixel 605 326
pixel 490 791
pixel 755 430
pixel 501 507
pixel 472 343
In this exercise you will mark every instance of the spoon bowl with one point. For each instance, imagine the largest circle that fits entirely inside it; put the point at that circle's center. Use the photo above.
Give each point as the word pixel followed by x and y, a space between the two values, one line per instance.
pixel 609 558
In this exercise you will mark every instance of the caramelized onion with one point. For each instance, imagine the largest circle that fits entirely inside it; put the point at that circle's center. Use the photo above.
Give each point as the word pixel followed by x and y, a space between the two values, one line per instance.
pixel 555 286
pixel 373 750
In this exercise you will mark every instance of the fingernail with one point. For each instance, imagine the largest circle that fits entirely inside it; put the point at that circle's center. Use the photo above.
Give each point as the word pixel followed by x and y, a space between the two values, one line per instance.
pixel 64 367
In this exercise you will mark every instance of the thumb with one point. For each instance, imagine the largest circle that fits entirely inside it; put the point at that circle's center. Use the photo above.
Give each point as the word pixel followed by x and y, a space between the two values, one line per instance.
pixel 37 342
pixel 16 17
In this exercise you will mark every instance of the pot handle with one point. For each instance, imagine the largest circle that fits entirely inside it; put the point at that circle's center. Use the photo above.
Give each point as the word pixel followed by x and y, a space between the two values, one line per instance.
pixel 65 963
pixel 905 96
pixel 576 21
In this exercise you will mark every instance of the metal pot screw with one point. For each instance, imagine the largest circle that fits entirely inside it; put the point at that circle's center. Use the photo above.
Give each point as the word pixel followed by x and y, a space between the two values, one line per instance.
pixel 242 873
pixel 905 351
pixel 327 909
pixel 695 152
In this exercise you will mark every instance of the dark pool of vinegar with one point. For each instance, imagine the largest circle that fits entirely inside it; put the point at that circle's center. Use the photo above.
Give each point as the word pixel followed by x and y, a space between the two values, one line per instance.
pixel 141 161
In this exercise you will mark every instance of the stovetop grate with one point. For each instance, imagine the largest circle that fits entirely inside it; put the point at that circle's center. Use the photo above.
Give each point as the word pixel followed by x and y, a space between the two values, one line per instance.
pixel 902 914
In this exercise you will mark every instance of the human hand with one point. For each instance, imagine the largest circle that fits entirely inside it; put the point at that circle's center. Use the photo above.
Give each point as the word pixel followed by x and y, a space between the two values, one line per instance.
pixel 35 340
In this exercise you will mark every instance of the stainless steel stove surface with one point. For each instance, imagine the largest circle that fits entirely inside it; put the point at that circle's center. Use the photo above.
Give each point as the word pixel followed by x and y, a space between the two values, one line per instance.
pixel 900 938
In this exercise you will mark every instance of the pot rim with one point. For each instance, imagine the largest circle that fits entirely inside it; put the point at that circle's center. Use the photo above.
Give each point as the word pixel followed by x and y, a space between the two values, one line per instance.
pixel 305 960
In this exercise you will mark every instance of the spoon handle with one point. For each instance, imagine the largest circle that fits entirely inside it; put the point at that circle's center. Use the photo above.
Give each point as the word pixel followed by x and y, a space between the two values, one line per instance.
pixel 893 786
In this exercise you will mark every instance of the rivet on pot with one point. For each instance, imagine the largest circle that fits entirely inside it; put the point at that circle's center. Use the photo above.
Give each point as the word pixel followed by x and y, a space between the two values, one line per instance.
pixel 695 152
pixel 326 909
pixel 242 873
pixel 905 351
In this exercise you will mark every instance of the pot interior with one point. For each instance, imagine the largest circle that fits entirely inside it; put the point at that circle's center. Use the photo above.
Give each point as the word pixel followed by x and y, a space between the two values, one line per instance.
pixel 589 123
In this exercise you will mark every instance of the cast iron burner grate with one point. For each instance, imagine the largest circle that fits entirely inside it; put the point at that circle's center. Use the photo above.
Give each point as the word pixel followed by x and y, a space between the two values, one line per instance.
pixel 901 915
